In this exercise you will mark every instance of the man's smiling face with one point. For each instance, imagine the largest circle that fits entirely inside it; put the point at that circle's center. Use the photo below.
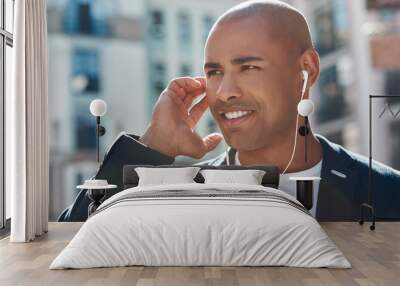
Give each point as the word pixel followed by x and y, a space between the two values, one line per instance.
pixel 253 83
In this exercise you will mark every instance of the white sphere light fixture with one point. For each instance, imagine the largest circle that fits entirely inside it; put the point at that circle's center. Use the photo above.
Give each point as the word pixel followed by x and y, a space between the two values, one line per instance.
pixel 305 107
pixel 98 107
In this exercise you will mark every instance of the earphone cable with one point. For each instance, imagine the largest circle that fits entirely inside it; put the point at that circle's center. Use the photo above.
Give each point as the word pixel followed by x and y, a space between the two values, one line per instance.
pixel 295 139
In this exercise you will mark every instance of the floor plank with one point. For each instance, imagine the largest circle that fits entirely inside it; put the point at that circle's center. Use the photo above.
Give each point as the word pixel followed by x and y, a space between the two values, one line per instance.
pixel 374 255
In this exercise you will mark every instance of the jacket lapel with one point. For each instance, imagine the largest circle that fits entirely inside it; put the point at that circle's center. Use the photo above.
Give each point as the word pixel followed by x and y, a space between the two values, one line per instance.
pixel 336 196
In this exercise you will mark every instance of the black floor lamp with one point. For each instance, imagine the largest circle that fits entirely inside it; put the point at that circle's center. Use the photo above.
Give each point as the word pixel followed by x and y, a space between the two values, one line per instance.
pixel 370 204
pixel 96 188
pixel 98 108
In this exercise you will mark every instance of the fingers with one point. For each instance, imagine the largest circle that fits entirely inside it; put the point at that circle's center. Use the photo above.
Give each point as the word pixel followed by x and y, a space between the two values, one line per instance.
pixel 185 89
pixel 201 79
pixel 211 141
pixel 189 98
pixel 197 147
pixel 197 111
pixel 178 101
pixel 183 85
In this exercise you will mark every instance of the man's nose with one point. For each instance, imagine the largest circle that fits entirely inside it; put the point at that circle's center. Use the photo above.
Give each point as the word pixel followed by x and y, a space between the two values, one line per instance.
pixel 228 89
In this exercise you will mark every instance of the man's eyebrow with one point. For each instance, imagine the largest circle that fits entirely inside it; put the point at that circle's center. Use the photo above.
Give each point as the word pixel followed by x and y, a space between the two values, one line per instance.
pixel 242 60
pixel 212 66
pixel 235 61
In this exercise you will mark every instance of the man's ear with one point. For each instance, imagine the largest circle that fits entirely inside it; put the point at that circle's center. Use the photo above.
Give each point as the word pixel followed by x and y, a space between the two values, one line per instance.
pixel 310 62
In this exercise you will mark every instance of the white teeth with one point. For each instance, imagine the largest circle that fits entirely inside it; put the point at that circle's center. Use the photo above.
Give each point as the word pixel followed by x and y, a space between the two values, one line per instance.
pixel 236 114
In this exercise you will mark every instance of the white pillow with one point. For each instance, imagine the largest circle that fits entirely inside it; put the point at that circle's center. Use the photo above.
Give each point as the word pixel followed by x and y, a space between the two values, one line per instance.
pixel 249 177
pixel 160 176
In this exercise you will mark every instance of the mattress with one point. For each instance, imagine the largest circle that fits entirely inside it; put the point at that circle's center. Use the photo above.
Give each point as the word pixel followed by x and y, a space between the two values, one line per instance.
pixel 201 225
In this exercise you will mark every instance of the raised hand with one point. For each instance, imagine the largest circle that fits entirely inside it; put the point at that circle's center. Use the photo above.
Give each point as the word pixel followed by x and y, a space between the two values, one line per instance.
pixel 171 128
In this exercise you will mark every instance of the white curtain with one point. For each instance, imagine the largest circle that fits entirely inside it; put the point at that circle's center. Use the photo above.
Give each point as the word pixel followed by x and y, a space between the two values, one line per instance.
pixel 27 149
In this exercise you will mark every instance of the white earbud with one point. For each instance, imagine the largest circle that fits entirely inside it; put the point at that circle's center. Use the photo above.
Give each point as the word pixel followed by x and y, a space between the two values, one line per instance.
pixel 305 107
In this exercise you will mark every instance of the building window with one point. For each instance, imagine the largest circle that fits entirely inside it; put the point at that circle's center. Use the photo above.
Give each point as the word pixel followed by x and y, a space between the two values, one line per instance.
pixel 331 24
pixel 85 71
pixel 383 4
pixel 331 94
pixel 85 129
pixel 6 61
pixel 184 30
pixel 158 77
pixel 157 25
pixel 79 18
pixel 392 86
pixel 208 22
pixel 157 82
pixel 185 70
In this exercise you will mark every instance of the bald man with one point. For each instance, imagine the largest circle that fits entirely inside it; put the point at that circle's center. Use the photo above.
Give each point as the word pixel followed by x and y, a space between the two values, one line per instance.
pixel 254 58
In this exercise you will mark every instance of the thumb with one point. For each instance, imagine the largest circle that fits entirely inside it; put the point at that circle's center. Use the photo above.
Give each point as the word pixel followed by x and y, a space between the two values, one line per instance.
pixel 211 141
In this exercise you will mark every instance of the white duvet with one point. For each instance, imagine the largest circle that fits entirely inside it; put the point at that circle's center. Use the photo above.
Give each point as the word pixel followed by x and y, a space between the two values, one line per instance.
pixel 183 231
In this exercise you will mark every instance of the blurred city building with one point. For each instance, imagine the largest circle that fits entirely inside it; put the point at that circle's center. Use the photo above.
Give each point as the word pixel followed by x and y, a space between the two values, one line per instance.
pixel 96 50
pixel 126 52
pixel 358 43
pixel 383 32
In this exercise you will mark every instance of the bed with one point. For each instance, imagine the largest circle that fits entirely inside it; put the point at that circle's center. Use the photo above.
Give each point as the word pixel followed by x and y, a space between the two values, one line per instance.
pixel 201 224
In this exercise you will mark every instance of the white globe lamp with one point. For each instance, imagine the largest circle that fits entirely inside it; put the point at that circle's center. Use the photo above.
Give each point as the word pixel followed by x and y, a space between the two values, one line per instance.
pixel 98 108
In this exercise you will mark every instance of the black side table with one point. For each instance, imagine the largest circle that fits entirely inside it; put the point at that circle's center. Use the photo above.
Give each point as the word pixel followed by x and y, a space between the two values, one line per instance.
pixel 304 190
pixel 96 190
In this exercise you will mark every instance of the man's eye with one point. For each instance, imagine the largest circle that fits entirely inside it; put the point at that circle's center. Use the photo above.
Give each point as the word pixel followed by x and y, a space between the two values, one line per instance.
pixel 249 67
pixel 213 72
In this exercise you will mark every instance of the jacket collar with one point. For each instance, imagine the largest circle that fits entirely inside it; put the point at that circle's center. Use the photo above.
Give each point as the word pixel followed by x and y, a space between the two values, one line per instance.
pixel 330 152
pixel 337 189
pixel 338 180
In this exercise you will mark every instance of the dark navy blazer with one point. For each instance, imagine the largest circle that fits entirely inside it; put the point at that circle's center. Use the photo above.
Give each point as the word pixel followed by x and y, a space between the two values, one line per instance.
pixel 343 186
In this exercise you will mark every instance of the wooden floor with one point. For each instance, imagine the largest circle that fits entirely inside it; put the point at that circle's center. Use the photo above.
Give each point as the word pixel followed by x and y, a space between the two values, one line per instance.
pixel 374 255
